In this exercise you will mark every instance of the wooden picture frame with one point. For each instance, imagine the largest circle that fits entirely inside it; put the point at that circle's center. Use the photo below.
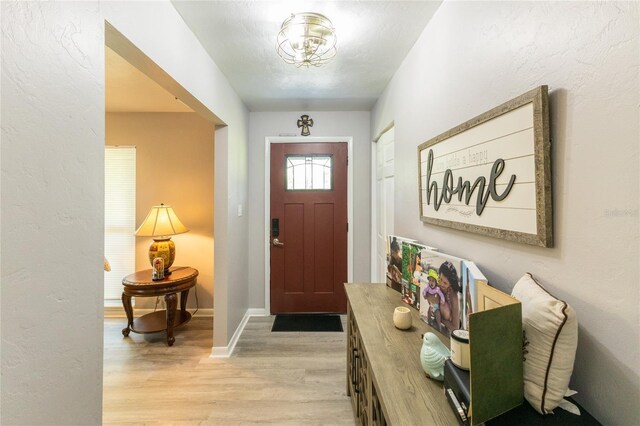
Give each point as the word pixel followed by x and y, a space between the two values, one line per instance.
pixel 492 174
pixel 491 298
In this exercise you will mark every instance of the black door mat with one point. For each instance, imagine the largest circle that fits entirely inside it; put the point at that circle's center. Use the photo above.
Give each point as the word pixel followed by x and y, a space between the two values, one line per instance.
pixel 307 322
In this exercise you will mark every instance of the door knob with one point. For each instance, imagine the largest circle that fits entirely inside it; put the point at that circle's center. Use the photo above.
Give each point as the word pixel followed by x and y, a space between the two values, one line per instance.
pixel 276 242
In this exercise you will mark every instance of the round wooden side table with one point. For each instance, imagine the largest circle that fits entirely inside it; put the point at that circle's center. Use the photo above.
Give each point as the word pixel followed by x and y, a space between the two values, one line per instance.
pixel 140 284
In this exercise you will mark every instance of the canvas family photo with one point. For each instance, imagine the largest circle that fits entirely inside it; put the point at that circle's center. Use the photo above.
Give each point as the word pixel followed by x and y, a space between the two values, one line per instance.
pixel 441 297
pixel 394 262
pixel 442 287
pixel 412 273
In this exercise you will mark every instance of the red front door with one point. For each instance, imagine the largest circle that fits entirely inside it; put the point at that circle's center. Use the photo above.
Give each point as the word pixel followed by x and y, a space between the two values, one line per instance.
pixel 308 227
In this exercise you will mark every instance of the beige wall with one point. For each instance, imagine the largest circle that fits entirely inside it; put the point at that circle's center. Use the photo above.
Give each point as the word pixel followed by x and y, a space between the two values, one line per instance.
pixel 174 159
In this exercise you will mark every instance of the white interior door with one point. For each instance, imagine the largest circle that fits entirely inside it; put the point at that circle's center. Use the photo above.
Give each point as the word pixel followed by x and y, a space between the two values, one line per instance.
pixel 384 200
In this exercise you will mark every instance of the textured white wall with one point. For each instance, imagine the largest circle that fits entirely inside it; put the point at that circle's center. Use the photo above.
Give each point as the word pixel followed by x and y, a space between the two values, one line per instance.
pixel 337 123
pixel 474 56
pixel 52 199
pixel 174 156
pixel 52 194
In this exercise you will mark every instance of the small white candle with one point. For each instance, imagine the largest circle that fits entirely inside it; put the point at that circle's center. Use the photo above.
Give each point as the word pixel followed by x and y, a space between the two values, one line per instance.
pixel 402 318
pixel 460 355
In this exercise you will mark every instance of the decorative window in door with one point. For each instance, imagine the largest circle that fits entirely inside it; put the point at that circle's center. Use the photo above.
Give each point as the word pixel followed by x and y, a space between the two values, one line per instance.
pixel 308 172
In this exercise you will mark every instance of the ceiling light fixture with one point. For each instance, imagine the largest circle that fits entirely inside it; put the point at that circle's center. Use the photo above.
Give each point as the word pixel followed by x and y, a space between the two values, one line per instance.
pixel 306 39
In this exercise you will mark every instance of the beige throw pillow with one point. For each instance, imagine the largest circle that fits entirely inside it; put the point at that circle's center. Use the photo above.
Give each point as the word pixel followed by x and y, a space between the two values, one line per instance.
pixel 551 330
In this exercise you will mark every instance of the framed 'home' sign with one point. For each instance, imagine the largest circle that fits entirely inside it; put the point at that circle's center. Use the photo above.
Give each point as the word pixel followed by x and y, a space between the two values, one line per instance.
pixel 492 174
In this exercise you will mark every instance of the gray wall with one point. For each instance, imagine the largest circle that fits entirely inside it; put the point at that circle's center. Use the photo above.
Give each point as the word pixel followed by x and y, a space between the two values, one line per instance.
pixel 474 56
pixel 52 194
pixel 52 213
pixel 337 123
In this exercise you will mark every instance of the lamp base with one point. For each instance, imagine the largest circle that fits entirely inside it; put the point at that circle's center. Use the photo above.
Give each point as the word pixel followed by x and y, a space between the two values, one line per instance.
pixel 164 248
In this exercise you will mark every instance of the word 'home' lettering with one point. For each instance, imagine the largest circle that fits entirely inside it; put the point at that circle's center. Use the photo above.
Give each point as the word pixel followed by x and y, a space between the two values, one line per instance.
pixel 464 189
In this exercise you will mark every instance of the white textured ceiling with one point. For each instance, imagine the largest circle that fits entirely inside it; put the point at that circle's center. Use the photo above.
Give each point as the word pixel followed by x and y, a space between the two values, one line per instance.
pixel 373 39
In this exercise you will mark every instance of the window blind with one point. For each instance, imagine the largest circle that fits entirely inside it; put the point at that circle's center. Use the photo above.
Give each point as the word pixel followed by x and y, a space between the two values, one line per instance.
pixel 119 218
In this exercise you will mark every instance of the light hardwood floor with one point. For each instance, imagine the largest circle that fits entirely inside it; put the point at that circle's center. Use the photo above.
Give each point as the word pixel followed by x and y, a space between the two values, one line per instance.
pixel 277 378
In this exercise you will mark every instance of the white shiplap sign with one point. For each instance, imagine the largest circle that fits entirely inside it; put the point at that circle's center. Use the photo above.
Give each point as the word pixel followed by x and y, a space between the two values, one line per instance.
pixel 491 175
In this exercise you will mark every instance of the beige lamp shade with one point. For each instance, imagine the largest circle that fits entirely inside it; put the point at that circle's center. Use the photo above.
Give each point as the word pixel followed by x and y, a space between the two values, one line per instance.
pixel 161 222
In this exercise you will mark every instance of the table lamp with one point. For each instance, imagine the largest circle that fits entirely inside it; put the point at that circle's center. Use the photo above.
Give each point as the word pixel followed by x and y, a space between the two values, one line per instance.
pixel 161 223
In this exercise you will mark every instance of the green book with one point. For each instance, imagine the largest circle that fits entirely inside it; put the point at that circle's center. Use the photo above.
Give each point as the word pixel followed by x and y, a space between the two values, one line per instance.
pixel 495 340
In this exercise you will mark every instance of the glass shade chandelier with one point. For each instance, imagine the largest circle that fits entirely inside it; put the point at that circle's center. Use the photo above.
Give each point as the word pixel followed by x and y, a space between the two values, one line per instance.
pixel 306 39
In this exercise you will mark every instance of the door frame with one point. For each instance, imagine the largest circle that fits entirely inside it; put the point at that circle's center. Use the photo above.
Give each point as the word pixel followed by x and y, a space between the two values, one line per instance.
pixel 267 202
pixel 374 197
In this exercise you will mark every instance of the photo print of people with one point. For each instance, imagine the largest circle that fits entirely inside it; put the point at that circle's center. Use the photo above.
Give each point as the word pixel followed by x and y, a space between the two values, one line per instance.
pixel 441 297
pixel 394 262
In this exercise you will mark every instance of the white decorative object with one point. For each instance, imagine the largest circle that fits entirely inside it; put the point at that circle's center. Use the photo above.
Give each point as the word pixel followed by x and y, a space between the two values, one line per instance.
pixel 402 318
pixel 460 349
pixel 551 337
pixel 433 354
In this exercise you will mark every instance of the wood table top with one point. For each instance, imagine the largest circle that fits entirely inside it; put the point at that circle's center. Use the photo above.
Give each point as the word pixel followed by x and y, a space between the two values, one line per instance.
pixel 140 283
pixel 406 394
pixel 179 275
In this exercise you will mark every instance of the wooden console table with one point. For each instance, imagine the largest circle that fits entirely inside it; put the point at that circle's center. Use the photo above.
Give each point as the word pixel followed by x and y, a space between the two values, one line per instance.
pixel 140 284
pixel 384 376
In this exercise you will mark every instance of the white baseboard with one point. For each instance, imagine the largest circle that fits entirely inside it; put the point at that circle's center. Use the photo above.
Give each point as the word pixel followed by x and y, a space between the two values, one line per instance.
pixel 227 351
pixel 257 312
pixel 118 312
